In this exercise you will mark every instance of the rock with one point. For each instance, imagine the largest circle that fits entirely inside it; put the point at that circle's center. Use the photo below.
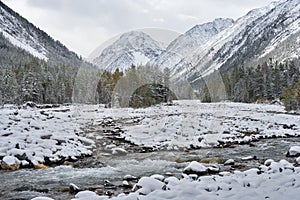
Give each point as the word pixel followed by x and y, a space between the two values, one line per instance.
pixel 46 137
pixel 196 168
pixel 294 151
pixel 286 164
pixel 42 198
pixel 268 162
pixel 298 160
pixel 25 163
pixel 147 184
pixel 118 151
pixel 40 166
pixel 171 180
pixel 126 184
pixel 229 162
pixel 158 177
pixel 193 176
pixel 6 134
pixel 74 189
pixel 99 191
pixel 10 163
pixel 109 185
pixel 249 158
pixel 213 169
pixel 129 178
pixel 285 126
pixel 86 195
pixel 29 104
pixel 68 163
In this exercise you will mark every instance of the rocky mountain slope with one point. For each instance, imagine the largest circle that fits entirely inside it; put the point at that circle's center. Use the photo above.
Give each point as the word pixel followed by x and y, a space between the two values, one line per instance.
pixel 23 34
pixel 188 42
pixel 134 47
pixel 271 31
pixel 33 66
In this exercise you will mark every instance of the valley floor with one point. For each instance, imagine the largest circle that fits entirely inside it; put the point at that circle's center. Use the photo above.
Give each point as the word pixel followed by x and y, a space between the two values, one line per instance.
pixel 31 136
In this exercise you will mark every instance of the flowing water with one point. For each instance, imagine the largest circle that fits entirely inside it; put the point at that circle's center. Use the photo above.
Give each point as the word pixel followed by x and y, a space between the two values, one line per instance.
pixel 29 183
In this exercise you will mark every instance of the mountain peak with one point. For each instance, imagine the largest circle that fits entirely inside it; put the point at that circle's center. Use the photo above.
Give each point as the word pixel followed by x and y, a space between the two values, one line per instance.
pixel 132 48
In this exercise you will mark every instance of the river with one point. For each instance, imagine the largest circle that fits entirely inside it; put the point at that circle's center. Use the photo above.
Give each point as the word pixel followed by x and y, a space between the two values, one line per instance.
pixel 52 182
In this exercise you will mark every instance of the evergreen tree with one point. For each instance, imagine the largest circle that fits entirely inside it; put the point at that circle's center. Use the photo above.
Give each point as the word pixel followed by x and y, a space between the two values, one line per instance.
pixel 9 87
pixel 30 88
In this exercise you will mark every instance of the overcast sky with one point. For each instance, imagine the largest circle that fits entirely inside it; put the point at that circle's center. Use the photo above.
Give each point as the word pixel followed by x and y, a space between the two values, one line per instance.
pixel 83 25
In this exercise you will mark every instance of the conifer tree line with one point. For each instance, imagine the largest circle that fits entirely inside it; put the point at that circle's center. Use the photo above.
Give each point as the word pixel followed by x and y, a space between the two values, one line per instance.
pixel 27 78
pixel 38 82
pixel 266 82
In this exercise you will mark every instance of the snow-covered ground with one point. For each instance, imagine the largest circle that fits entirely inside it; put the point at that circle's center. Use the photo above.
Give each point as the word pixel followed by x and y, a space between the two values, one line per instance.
pixel 273 180
pixel 35 135
pixel 194 124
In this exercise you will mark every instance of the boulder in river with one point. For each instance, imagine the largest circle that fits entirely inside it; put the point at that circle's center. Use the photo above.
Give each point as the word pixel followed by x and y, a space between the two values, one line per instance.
pixel 196 168
pixel 10 163
pixel 147 185
pixel 229 162
pixel 294 151
pixel 42 198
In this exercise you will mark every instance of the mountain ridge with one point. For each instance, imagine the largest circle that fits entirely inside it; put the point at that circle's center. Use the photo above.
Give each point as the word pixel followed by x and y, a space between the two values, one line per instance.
pixel 23 34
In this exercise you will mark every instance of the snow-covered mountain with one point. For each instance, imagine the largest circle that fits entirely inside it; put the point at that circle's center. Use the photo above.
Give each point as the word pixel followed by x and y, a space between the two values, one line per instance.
pixel 132 48
pixel 271 31
pixel 21 33
pixel 186 43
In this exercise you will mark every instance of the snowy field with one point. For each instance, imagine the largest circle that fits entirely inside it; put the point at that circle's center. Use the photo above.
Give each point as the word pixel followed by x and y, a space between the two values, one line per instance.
pixel 36 135
pixel 194 124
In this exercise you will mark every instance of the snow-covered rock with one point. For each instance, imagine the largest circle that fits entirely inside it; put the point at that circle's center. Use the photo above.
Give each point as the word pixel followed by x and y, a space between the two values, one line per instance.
pixel 251 184
pixel 147 185
pixel 294 151
pixel 249 158
pixel 74 189
pixel 229 162
pixel 42 198
pixel 88 195
pixel 129 177
pixel 10 163
pixel 298 160
pixel 158 177
pixel 268 162
pixel 118 151
pixel 195 168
